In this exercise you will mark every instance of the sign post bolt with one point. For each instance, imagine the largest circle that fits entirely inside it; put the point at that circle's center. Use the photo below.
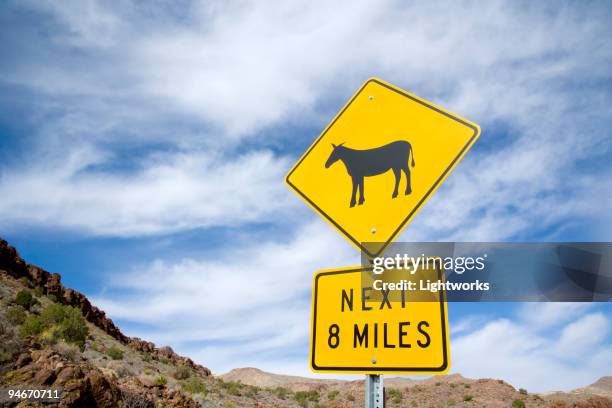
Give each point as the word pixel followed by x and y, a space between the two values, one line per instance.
pixel 374 391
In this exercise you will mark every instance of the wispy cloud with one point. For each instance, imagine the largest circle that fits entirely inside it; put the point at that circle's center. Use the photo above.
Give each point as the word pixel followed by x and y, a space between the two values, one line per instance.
pixel 252 300
pixel 547 315
pixel 166 193
pixel 213 74
pixel 520 353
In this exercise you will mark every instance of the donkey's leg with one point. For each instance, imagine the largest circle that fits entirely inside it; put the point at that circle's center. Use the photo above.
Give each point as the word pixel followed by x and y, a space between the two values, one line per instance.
pixel 361 193
pixel 398 175
pixel 354 193
pixel 406 170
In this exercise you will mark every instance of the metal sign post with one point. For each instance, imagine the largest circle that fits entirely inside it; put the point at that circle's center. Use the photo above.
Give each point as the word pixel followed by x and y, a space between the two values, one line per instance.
pixel 374 391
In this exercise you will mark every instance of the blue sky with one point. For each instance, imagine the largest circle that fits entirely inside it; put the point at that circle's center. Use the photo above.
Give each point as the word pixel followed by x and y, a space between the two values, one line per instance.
pixel 143 149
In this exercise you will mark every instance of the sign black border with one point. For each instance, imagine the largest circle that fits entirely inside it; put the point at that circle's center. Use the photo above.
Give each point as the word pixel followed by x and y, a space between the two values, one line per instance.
pixel 419 204
pixel 442 368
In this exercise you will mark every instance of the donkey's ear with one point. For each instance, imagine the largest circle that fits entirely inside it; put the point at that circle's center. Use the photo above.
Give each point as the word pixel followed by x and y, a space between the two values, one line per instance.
pixel 334 145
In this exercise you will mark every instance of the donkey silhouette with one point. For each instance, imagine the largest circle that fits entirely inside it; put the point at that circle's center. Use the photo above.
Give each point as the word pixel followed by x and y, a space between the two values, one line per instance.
pixel 372 162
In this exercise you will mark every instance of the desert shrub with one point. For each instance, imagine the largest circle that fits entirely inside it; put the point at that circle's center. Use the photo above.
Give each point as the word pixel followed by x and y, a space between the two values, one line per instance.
pixel 5 356
pixel 25 299
pixel 38 291
pixel 73 328
pixel 9 349
pixel 517 403
pixel 468 398
pixel 161 380
pixel 15 315
pixel 95 346
pixel 332 395
pixel 121 370
pixel 182 372
pixel 53 314
pixel 194 385
pixel 32 326
pixel 133 399
pixel 453 385
pixel 395 395
pixel 229 404
pixel 146 357
pixel 50 335
pixel 251 391
pixel 350 397
pixel 523 391
pixel 280 392
pixel 231 387
pixel 52 298
pixel 115 353
pixel 58 322
pixel 164 360
pixel 67 350
pixel 302 397
pixel 467 385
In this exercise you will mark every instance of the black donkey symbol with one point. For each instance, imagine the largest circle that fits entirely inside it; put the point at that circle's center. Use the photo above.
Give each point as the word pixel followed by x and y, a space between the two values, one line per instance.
pixel 371 162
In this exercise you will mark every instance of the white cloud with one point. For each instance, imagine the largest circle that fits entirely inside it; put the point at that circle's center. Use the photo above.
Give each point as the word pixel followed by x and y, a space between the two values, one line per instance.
pixel 248 65
pixel 526 357
pixel 581 337
pixel 251 301
pixel 546 315
pixel 469 323
pixel 233 70
pixel 166 193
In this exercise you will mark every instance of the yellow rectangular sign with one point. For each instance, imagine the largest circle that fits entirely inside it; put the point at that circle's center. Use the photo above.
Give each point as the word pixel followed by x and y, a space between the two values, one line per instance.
pixel 359 329
pixel 378 161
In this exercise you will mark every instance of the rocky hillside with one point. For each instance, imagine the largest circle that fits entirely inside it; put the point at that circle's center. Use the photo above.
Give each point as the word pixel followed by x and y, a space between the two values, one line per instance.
pixel 603 387
pixel 52 336
pixel 441 391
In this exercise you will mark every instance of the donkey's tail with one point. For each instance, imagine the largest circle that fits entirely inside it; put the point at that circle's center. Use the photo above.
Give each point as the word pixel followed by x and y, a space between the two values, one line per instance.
pixel 412 154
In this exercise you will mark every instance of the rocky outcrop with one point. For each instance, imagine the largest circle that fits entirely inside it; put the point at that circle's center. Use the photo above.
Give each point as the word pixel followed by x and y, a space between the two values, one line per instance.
pixel 84 385
pixel 11 262
pixel 81 383
pixel 137 394
pixel 51 285
pixel 166 353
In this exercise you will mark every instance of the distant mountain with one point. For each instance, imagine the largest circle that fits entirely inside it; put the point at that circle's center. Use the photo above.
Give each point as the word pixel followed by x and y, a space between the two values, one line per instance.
pixel 601 387
pixel 260 378
pixel 603 384
pixel 445 390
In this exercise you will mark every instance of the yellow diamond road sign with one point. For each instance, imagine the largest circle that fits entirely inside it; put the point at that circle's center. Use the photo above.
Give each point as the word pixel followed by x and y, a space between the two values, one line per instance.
pixel 378 161
pixel 359 329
